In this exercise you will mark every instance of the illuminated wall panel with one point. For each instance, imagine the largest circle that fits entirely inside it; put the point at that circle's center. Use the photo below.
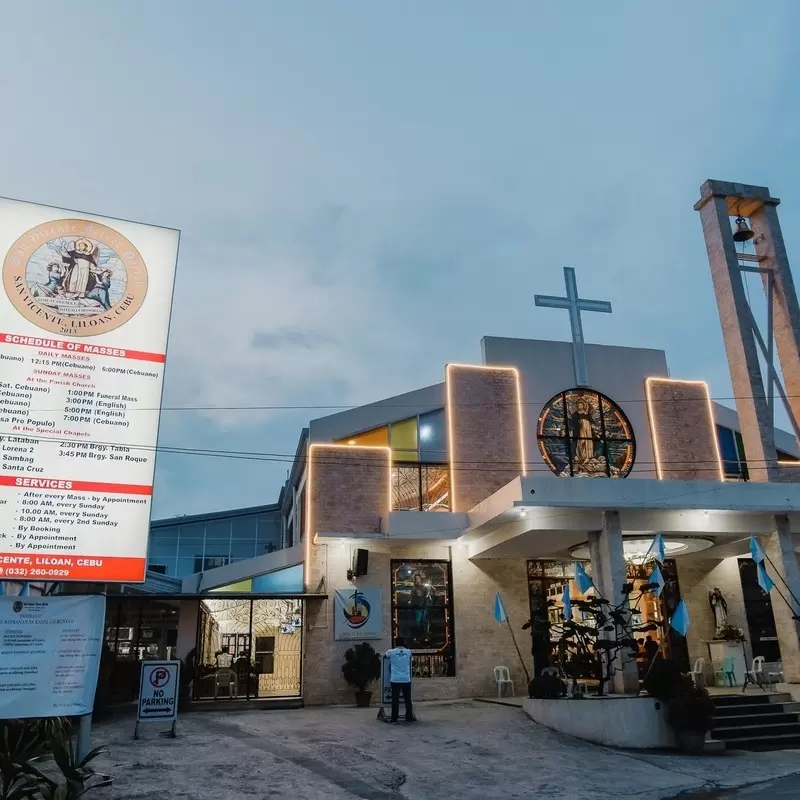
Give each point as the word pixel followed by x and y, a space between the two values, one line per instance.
pixel 484 417
pixel 683 430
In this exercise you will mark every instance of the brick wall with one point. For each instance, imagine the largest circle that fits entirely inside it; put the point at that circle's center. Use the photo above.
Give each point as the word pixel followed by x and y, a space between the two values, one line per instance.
pixel 481 643
pixel 485 429
pixel 696 578
pixel 683 429
pixel 349 488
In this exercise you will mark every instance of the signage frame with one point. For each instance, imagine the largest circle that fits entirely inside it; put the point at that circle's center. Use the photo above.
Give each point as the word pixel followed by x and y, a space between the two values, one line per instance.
pixel 147 677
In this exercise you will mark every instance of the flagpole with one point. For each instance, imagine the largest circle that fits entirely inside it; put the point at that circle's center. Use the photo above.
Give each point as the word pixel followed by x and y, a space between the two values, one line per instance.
pixel 521 659
pixel 783 597
pixel 789 588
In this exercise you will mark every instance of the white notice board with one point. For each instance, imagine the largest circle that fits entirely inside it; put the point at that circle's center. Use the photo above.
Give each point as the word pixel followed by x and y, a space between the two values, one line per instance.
pixel 84 310
pixel 49 655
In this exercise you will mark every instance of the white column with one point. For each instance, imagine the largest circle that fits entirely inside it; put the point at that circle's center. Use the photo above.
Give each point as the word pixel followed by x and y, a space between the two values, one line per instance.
pixel 780 550
pixel 608 571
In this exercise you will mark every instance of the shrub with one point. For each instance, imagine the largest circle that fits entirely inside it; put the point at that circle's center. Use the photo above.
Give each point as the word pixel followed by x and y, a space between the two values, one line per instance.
pixel 691 710
pixel 547 686
pixel 362 666
pixel 664 680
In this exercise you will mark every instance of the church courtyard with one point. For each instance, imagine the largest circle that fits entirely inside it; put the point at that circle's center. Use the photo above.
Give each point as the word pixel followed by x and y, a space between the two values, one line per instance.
pixel 469 750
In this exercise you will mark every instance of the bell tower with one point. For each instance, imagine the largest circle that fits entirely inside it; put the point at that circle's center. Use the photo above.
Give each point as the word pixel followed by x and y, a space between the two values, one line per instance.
pixel 743 235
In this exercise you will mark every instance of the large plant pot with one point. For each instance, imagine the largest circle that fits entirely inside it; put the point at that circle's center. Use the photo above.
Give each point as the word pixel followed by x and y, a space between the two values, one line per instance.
pixel 363 699
pixel 691 741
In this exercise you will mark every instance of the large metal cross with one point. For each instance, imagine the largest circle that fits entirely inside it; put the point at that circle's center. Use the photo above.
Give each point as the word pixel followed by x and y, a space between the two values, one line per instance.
pixel 574 305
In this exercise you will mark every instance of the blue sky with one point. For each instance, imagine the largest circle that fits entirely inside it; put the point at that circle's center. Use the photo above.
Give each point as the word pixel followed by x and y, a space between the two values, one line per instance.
pixel 365 189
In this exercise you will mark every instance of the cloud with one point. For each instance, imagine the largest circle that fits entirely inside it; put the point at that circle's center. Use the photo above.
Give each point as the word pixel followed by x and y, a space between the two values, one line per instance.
pixel 290 339
pixel 284 318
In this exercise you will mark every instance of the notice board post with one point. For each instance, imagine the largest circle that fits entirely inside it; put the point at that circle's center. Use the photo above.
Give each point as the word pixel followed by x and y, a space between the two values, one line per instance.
pixel 158 694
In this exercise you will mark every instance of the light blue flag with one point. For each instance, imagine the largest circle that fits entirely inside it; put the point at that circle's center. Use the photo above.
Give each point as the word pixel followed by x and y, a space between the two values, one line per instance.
pixel 25 590
pixel 658 549
pixel 500 615
pixel 567 603
pixel 680 619
pixel 657 577
pixel 583 581
pixel 756 550
pixel 764 580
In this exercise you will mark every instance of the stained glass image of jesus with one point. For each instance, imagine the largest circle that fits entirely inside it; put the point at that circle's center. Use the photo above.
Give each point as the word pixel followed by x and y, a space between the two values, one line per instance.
pixel 582 433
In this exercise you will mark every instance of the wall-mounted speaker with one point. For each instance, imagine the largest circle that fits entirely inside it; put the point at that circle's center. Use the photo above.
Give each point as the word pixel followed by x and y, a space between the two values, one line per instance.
pixel 361 562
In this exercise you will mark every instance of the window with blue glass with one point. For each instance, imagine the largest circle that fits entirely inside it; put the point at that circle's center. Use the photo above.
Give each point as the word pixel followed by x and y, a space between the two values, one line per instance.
pixel 182 549
pixel 731 450
pixel 433 437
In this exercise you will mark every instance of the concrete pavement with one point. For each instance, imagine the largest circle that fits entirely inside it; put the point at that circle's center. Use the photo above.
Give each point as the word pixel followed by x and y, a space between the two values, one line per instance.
pixel 472 751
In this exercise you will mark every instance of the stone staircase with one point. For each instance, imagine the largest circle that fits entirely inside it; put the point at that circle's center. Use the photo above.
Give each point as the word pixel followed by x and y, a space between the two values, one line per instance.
pixel 756 721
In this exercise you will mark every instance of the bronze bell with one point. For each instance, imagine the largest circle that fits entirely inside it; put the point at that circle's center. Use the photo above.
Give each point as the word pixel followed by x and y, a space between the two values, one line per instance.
pixel 742 232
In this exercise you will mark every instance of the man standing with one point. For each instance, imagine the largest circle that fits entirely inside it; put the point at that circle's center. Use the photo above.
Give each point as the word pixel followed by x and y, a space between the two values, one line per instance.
pixel 400 678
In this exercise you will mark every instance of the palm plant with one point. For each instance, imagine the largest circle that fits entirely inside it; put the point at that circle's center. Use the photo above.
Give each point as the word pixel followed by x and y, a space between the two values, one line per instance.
pixel 77 777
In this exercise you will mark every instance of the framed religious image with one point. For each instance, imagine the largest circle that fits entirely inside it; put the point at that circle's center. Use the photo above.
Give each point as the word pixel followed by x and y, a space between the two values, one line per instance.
pixel 582 433
pixel 422 613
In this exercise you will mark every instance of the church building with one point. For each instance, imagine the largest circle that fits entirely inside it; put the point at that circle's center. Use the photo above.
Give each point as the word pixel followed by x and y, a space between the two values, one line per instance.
pixel 542 453
pixel 406 517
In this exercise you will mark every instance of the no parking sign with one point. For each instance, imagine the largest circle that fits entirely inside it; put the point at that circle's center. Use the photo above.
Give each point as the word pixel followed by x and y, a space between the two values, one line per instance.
pixel 158 693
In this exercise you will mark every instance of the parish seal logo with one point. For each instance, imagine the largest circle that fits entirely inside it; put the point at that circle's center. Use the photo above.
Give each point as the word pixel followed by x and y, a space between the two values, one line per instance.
pixel 75 277
pixel 357 614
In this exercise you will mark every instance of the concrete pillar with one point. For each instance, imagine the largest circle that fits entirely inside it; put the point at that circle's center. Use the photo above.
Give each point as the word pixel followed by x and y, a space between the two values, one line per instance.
pixel 779 549
pixel 718 200
pixel 608 570
pixel 187 627
pixel 771 250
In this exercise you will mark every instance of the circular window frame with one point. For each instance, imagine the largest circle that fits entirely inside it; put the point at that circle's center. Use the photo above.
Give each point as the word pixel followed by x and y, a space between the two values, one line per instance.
pixel 568 440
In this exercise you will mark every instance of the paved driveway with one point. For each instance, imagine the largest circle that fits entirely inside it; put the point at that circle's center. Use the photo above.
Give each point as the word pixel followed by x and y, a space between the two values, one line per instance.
pixel 465 751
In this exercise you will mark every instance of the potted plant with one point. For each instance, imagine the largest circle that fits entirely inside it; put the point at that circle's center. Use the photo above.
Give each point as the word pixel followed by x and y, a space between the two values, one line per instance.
pixel 689 708
pixel 361 667
pixel 690 713
pixel 729 633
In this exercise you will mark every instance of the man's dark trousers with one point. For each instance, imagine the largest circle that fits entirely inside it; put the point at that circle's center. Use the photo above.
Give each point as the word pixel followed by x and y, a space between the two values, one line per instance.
pixel 405 688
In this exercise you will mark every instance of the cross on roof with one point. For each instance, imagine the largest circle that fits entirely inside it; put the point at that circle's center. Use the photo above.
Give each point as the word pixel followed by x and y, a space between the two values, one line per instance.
pixel 574 305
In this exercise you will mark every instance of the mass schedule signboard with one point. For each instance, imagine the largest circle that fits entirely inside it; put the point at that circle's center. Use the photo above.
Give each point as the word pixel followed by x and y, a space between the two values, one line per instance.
pixel 84 314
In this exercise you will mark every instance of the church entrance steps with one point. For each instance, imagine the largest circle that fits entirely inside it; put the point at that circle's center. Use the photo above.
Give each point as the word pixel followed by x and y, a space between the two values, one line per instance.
pixel 756 722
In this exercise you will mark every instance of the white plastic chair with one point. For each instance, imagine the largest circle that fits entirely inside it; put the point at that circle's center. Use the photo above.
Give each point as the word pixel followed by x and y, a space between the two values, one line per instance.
pixel 756 674
pixel 756 671
pixel 775 672
pixel 698 675
pixel 503 678
pixel 226 679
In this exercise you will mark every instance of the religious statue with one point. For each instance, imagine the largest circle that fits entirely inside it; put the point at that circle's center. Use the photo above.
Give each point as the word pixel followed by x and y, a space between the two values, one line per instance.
pixel 720 608
pixel 585 428
pixel 80 259
pixel 583 432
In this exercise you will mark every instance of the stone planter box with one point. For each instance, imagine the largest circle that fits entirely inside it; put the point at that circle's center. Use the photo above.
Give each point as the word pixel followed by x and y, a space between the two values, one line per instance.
pixel 615 721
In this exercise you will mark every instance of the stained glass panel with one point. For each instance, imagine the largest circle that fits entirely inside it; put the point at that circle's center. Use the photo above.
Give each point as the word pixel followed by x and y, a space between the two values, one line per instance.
pixel 422 613
pixel 583 433
pixel 403 435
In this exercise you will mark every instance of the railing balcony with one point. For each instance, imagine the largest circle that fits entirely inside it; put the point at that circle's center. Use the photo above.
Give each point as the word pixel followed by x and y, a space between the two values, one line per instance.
pixel 420 487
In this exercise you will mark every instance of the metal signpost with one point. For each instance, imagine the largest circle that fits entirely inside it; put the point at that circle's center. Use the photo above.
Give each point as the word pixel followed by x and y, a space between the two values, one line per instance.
pixel 158 694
